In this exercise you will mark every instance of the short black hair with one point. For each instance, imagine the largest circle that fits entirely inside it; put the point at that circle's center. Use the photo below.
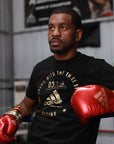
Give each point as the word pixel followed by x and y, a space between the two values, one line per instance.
pixel 76 18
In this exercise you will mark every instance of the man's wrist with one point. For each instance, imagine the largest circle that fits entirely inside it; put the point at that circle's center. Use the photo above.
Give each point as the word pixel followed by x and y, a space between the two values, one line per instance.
pixel 17 112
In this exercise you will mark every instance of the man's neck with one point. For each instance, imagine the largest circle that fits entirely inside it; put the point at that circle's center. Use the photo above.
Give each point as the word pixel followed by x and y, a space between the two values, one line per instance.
pixel 65 56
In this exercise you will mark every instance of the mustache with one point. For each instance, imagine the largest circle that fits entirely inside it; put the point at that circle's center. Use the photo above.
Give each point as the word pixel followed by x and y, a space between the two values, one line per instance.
pixel 55 38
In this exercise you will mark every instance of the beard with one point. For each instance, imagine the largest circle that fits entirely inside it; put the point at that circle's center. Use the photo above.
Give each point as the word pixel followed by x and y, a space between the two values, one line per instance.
pixel 60 49
pixel 57 49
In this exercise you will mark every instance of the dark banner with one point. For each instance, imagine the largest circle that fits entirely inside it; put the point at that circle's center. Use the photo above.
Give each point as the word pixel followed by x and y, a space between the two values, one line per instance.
pixel 91 35
pixel 37 12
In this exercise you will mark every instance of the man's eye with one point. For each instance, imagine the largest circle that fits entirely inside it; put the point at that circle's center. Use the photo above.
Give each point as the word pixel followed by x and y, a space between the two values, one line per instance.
pixel 51 28
pixel 63 27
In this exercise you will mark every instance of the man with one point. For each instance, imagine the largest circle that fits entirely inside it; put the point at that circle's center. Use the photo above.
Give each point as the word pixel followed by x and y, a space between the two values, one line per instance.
pixel 52 84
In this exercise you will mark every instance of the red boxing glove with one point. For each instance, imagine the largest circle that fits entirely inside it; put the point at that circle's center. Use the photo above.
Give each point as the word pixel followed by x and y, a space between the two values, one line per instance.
pixel 92 100
pixel 8 126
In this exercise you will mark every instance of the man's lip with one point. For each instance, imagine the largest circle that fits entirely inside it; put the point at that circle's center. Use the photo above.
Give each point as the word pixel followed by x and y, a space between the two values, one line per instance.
pixel 55 41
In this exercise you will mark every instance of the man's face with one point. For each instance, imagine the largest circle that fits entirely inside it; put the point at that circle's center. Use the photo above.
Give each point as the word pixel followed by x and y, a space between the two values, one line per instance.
pixel 61 33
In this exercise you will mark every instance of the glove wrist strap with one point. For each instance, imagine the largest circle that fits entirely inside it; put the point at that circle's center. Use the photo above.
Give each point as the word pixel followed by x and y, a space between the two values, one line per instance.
pixel 17 112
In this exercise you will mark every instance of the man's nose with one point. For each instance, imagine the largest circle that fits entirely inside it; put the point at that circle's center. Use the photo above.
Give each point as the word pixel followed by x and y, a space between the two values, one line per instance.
pixel 56 32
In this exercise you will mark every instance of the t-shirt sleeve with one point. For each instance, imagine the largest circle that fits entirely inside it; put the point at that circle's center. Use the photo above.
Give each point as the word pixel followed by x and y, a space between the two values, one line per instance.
pixel 31 91
pixel 107 75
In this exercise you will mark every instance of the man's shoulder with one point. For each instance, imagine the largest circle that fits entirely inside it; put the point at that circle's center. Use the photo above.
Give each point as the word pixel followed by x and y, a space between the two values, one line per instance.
pixel 91 58
pixel 47 60
pixel 91 61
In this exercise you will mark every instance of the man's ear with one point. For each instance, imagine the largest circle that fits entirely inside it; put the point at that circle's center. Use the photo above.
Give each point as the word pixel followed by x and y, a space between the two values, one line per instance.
pixel 78 34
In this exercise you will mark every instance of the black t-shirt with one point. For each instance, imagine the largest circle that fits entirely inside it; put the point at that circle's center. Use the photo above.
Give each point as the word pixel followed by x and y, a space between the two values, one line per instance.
pixel 52 84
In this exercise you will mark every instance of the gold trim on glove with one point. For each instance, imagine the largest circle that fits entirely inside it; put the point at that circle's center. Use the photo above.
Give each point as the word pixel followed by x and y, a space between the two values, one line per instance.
pixel 17 112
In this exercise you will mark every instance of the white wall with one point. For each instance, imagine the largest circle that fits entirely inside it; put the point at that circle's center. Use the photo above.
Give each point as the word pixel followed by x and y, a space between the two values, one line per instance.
pixel 29 48
pixel 30 45
pixel 106 50
pixel 6 56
